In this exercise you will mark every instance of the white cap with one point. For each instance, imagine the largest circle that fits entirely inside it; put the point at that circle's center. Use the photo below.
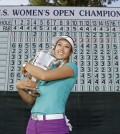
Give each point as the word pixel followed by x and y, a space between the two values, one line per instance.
pixel 69 39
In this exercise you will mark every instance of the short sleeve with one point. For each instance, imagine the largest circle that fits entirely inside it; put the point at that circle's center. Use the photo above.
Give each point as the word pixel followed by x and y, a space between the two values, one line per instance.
pixel 74 67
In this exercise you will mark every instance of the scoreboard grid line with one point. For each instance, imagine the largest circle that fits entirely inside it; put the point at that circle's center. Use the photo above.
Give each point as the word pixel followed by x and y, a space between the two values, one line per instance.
pixel 96 50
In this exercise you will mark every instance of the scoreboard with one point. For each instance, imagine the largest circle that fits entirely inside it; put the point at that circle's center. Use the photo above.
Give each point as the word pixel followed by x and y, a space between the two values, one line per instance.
pixel 96 31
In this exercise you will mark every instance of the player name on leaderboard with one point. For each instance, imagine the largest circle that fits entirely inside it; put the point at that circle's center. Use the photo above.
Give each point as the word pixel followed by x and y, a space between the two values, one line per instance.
pixel 96 32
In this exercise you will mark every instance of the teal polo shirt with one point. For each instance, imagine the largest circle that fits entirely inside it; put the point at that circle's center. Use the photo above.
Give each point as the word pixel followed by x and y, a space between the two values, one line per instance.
pixel 54 94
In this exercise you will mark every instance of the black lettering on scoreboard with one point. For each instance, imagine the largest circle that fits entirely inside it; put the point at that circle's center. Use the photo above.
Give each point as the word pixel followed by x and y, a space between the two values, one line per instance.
pixel 96 32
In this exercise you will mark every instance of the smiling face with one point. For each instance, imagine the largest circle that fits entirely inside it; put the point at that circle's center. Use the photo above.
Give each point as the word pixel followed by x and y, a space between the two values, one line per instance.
pixel 63 50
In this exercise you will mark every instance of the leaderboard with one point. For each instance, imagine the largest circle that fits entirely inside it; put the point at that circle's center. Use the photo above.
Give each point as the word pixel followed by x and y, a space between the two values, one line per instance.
pixel 95 31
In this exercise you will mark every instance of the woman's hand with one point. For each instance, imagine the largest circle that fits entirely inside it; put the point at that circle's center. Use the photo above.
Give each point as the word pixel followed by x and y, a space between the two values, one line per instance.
pixel 26 83
pixel 27 90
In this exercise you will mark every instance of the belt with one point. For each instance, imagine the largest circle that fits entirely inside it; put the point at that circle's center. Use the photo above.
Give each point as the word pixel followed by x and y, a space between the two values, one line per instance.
pixel 47 117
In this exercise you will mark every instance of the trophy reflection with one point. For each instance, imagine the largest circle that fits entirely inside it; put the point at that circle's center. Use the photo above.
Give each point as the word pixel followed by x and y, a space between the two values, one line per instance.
pixel 45 60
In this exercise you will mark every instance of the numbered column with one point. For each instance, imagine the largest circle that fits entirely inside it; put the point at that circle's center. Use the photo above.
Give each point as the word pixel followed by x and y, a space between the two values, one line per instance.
pixel 4 60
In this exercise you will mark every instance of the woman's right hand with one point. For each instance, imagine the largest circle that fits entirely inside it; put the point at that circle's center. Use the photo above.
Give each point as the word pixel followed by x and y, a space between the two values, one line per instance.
pixel 28 86
pixel 26 83
pixel 27 90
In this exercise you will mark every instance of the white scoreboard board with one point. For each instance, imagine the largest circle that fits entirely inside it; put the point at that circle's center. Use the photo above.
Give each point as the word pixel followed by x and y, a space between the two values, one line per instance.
pixel 96 32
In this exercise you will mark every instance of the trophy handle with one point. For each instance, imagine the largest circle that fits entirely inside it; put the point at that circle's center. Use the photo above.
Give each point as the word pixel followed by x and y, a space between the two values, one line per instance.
pixel 30 60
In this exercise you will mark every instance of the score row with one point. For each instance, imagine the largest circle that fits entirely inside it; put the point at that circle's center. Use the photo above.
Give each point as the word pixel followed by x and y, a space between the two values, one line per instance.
pixel 59 28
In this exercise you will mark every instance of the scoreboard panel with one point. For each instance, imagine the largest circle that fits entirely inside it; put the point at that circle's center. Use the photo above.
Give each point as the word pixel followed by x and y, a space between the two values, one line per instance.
pixel 96 32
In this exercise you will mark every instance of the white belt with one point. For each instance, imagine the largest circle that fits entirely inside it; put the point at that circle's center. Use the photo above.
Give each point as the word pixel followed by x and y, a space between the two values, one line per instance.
pixel 47 117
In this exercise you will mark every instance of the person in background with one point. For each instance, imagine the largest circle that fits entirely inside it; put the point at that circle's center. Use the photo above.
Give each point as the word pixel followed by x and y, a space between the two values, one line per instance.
pixel 48 109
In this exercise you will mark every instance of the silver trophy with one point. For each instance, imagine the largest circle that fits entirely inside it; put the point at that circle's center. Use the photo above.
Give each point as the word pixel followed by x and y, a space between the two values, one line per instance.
pixel 46 60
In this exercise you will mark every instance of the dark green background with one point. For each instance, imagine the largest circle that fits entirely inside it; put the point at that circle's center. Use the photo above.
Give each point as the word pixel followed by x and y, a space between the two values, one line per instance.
pixel 89 113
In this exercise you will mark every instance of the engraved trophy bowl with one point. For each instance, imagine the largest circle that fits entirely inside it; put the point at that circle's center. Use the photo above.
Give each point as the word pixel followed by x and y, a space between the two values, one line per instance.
pixel 45 60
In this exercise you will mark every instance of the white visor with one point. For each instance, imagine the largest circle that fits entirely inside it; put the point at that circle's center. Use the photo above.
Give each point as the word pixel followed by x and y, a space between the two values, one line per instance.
pixel 69 39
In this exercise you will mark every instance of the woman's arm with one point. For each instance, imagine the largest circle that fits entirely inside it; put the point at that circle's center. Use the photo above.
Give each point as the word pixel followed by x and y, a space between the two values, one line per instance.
pixel 23 84
pixel 48 75
pixel 28 99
